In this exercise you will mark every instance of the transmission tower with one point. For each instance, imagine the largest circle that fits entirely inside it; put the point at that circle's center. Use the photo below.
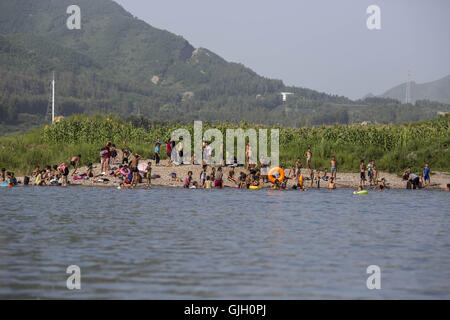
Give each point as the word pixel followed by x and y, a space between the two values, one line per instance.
pixel 408 89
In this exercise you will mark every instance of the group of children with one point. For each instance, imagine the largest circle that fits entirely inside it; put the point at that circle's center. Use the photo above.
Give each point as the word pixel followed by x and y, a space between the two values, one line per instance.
pixel 131 173
pixel 414 181
pixel 57 174
pixel 315 177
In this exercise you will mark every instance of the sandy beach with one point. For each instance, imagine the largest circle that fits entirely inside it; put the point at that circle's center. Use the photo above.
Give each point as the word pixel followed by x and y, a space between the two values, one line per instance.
pixel 439 180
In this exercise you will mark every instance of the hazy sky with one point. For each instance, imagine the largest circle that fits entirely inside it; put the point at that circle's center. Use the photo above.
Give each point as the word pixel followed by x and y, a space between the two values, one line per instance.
pixel 319 44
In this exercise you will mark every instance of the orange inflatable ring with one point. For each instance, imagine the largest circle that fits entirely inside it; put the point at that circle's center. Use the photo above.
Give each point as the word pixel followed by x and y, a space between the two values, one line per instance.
pixel 272 171
pixel 300 180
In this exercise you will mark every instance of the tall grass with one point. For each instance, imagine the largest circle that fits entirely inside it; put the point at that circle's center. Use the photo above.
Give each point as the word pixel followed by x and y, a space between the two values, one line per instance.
pixel 393 147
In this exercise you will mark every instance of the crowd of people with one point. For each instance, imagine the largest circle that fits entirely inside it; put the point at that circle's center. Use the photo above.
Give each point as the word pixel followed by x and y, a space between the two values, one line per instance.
pixel 131 172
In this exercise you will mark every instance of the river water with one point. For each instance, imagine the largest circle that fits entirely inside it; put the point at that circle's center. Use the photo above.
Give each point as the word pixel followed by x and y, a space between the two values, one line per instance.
pixel 215 244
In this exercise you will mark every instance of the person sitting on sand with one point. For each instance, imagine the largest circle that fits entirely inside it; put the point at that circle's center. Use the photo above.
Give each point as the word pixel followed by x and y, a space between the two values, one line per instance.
pixel 218 183
pixel 90 171
pixel 35 172
pixel 255 180
pixel 325 175
pixel 382 185
pixel 117 172
pixel 241 180
pixel 311 177
pixel 39 180
pixel 231 175
pixel 331 184
pixel 56 174
pixel 203 175
pixel 148 174
pixel 47 174
pixel 74 161
pixel 248 181
pixel 187 181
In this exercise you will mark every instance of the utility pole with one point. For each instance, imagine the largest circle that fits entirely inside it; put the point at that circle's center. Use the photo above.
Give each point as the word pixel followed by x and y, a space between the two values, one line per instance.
pixel 53 98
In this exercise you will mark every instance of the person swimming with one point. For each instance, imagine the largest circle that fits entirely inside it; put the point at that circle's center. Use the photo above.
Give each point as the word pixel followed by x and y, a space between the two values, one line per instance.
pixel 331 184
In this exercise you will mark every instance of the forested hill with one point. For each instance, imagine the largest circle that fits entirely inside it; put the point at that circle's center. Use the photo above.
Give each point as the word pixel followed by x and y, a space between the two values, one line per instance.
pixel 119 64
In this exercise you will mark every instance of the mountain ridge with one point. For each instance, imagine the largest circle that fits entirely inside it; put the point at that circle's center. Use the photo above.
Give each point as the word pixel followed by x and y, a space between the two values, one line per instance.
pixel 436 90
pixel 119 64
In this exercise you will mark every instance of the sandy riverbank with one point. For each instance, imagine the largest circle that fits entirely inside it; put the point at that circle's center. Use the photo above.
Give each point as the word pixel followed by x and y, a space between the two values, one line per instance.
pixel 439 180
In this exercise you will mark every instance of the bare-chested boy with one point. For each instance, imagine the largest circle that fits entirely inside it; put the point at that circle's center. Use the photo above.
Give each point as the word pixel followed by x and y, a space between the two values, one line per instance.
pixel 333 165
pixel 362 170
pixel 148 174
pixel 74 161
pixel 308 156
pixel 298 166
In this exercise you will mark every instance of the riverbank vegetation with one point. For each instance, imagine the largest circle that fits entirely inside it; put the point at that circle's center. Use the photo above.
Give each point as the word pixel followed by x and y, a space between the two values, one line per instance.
pixel 393 147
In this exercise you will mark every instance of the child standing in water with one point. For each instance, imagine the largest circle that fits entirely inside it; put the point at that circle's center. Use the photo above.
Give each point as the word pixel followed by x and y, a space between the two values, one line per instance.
pixel 208 183
pixel 375 174
pixel 218 183
pixel 213 174
pixel 362 170
pixel 148 174
pixel 134 169
pixel 318 179
pixel 331 184
pixel 370 172
pixel 187 181
pixel 203 176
